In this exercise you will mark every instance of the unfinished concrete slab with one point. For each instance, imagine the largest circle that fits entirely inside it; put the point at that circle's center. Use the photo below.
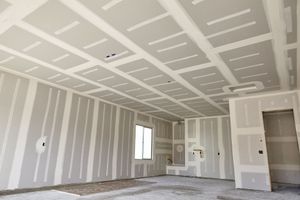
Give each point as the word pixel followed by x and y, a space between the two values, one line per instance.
pixel 172 187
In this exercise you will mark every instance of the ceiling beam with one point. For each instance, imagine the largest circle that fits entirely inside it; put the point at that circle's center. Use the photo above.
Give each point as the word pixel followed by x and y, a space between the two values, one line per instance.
pixel 274 10
pixel 188 25
pixel 84 12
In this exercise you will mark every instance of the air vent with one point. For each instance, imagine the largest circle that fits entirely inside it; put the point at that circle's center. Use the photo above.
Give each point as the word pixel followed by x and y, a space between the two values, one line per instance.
pixel 244 88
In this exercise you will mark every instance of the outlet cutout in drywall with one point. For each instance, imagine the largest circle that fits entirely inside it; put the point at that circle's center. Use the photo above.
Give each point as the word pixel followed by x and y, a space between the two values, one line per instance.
pixel 40 145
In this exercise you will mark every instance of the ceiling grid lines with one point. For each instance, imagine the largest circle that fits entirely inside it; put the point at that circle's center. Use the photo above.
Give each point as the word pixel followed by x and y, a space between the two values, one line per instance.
pixel 186 23
pixel 101 24
pixel 79 77
pixel 96 61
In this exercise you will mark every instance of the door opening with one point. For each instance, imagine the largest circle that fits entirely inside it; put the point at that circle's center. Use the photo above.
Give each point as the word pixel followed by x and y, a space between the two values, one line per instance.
pixel 282 147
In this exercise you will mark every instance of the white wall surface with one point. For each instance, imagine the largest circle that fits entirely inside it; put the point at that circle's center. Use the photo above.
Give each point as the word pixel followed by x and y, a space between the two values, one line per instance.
pixel 248 136
pixel 51 136
pixel 213 136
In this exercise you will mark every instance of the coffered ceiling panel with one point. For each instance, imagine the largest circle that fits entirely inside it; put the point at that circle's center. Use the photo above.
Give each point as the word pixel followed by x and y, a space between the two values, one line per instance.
pixel 69 27
pixel 228 21
pixel 208 80
pixel 146 72
pixel 110 79
pixel 176 90
pixel 203 106
pixel 173 107
pixel 172 59
pixel 29 44
pixel 165 115
pixel 253 63
pixel 21 65
pixel 121 100
pixel 125 14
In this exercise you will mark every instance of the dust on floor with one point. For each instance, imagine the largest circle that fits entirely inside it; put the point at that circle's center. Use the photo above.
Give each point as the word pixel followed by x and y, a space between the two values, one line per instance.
pixel 92 188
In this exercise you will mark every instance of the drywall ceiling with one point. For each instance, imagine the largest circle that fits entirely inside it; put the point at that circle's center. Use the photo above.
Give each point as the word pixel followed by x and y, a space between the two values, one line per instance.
pixel 169 58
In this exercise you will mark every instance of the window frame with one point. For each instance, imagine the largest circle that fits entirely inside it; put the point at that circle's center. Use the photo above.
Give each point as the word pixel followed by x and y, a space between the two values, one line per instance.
pixel 152 136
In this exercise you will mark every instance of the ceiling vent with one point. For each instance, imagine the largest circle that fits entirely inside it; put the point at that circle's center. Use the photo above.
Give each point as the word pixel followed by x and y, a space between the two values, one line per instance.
pixel 244 88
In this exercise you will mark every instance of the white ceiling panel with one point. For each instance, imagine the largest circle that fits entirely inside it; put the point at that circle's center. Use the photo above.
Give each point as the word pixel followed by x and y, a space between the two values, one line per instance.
pixel 146 72
pixel 208 80
pixel 115 81
pixel 166 116
pixel 253 63
pixel 203 106
pixel 176 90
pixel 228 21
pixel 29 44
pixel 69 27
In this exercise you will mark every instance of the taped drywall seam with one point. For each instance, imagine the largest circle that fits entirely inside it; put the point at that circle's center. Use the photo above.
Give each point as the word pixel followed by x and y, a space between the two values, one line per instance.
pixel 101 139
pixel 115 149
pixel 221 149
pixel 15 172
pixel 197 135
pixel 52 132
pixel 43 132
pixel 63 139
pixel 92 143
pixel 235 151
pixel 109 139
pixel 12 107
pixel 133 147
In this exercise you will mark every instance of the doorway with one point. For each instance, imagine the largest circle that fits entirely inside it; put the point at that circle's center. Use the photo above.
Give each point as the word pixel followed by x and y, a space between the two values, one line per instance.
pixel 282 147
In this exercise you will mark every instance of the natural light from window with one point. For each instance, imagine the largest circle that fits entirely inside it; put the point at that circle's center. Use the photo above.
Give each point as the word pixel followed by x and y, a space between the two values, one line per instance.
pixel 143 142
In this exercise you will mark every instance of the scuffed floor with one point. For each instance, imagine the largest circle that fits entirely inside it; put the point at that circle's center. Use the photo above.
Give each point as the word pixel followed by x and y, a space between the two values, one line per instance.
pixel 170 187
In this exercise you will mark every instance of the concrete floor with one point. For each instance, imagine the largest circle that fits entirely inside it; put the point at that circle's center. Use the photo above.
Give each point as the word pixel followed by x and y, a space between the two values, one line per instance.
pixel 171 187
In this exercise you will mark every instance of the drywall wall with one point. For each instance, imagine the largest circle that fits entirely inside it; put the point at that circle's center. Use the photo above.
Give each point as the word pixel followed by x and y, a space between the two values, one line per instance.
pixel 248 136
pixel 212 136
pixel 178 143
pixel 52 136
pixel 282 147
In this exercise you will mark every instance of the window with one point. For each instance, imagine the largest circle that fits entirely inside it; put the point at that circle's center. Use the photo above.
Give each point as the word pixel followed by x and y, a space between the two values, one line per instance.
pixel 143 142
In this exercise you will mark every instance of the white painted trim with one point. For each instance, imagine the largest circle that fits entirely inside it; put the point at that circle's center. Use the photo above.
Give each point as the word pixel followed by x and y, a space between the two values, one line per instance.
pixel 63 139
pixel 15 172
